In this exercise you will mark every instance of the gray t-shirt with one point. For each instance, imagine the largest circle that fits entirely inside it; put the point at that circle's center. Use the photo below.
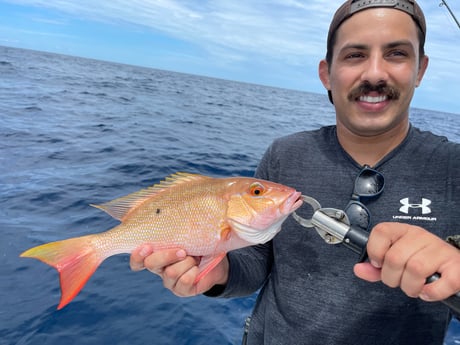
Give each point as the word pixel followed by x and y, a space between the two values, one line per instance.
pixel 309 294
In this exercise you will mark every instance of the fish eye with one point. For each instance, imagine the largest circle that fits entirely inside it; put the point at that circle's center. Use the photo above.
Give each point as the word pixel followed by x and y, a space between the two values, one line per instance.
pixel 256 189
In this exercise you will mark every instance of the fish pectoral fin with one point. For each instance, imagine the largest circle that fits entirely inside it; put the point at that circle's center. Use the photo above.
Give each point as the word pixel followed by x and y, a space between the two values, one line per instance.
pixel 207 264
pixel 225 232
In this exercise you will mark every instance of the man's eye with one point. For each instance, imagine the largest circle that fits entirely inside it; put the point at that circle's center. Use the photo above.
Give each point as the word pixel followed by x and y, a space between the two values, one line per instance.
pixel 398 53
pixel 354 56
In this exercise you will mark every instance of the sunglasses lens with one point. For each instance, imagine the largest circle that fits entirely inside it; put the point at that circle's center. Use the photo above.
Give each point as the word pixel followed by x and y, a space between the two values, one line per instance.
pixel 369 183
pixel 358 214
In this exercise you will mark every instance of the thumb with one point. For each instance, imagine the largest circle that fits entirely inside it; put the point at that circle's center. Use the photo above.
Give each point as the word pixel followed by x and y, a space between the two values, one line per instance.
pixel 366 271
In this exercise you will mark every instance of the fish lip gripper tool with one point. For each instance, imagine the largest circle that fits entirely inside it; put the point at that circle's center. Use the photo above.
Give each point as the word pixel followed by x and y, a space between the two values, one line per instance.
pixel 334 227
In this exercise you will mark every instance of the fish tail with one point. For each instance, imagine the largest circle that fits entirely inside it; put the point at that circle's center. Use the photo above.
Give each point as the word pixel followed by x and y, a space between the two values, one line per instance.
pixel 75 259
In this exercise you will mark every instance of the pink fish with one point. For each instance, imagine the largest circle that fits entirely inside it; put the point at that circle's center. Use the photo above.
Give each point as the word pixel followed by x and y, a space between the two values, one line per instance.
pixel 205 216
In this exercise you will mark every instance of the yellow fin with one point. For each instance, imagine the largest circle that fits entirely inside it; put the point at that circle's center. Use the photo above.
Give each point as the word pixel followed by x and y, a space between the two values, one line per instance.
pixel 119 208
pixel 75 260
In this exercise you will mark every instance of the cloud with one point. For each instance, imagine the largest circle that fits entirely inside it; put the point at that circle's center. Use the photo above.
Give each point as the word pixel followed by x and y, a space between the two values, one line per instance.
pixel 250 39
pixel 275 28
pixel 280 29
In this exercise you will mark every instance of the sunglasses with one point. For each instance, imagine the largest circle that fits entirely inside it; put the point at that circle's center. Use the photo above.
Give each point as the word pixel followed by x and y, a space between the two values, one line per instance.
pixel 368 184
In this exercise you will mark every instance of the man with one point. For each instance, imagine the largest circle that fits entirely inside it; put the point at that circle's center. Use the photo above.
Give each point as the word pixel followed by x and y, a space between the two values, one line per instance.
pixel 309 293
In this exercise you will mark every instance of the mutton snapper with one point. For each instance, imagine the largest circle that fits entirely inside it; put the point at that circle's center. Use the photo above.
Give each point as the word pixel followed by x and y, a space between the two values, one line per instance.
pixel 205 216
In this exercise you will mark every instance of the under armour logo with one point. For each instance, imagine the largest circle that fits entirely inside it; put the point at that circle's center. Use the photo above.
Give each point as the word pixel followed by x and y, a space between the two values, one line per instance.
pixel 406 205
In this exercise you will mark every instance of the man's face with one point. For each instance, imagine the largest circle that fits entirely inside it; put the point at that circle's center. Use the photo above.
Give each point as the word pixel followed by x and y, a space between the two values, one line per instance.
pixel 374 71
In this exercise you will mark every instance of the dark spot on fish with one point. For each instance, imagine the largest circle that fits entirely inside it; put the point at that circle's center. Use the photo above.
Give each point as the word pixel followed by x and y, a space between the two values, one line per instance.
pixel 158 211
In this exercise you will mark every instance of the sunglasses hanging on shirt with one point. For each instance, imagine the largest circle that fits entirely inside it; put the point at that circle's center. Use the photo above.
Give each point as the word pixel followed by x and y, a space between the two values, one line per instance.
pixel 369 184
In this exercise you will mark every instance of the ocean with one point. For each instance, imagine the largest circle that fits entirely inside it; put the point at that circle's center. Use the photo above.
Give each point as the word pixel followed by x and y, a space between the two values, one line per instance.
pixel 78 131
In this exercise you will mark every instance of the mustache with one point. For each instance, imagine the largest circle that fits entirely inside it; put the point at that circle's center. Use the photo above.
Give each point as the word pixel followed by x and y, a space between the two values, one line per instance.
pixel 382 88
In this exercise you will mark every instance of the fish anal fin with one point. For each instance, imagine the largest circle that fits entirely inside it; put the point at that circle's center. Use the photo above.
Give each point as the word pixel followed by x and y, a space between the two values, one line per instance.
pixel 207 264
pixel 121 207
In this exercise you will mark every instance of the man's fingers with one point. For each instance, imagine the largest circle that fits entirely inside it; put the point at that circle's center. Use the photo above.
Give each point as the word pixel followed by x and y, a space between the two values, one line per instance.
pixel 136 261
pixel 175 272
pixel 156 262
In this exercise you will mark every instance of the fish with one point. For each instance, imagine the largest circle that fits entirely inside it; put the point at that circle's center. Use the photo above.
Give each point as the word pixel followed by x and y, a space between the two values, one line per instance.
pixel 205 216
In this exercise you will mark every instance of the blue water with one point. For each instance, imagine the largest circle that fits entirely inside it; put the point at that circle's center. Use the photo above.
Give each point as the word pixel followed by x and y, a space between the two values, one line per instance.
pixel 77 131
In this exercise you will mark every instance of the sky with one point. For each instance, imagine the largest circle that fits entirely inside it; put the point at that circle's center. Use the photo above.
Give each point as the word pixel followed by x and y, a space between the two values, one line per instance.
pixel 269 42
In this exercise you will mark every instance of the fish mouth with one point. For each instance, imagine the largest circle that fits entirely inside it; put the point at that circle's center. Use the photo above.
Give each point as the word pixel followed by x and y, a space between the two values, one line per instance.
pixel 292 203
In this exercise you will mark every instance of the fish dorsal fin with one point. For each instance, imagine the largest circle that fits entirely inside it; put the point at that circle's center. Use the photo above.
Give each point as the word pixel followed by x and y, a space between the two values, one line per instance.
pixel 119 208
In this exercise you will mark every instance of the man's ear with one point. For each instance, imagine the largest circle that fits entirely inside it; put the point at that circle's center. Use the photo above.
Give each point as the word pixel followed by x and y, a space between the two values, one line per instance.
pixel 421 69
pixel 323 71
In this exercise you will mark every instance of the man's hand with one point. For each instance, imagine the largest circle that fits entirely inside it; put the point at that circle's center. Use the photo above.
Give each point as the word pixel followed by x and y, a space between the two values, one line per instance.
pixel 178 270
pixel 403 255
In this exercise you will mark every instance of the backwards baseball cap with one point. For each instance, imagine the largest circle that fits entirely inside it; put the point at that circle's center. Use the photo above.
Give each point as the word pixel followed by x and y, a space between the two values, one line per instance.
pixel 350 7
